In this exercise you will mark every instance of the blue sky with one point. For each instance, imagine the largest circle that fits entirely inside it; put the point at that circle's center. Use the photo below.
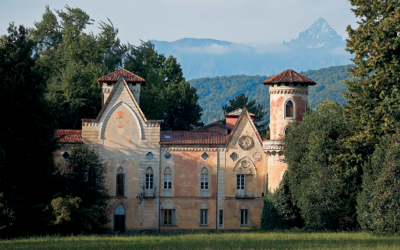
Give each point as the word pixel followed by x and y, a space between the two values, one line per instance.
pixel 252 22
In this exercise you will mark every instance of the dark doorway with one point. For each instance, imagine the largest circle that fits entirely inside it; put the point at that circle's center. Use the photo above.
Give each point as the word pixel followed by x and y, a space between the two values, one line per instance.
pixel 119 226
pixel 119 220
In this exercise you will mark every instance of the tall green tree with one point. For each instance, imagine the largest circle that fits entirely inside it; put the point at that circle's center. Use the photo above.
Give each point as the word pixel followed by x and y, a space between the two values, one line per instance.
pixel 241 101
pixel 27 141
pixel 373 98
pixel 379 201
pixel 167 95
pixel 82 206
pixel 310 149
pixel 71 62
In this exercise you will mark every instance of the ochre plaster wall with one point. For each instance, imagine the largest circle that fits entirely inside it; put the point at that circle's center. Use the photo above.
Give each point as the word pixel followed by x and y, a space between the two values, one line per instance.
pixel 254 201
pixel 186 197
pixel 279 96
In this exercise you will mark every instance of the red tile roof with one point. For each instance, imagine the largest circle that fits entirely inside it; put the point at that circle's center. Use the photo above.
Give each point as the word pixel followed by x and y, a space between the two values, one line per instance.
pixel 237 112
pixel 193 137
pixel 289 76
pixel 69 135
pixel 129 77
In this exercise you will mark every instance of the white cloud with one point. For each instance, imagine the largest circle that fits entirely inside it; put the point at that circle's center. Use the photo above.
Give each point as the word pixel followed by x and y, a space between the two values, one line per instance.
pixel 214 49
pixel 272 48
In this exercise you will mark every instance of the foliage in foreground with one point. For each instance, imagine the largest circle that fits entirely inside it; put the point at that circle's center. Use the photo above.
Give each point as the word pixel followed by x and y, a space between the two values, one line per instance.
pixel 280 210
pixel 26 138
pixel 83 205
pixel 379 201
pixel 317 187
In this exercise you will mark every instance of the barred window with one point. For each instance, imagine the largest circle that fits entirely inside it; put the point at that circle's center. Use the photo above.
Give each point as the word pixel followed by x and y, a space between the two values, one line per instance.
pixel 203 217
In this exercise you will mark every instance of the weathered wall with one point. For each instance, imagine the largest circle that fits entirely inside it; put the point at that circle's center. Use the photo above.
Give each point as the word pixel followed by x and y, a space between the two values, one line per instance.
pixel 186 166
pixel 278 99
pixel 255 183
pixel 123 137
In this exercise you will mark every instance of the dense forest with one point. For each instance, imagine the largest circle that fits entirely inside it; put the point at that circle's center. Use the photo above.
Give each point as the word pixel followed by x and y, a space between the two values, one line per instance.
pixel 217 91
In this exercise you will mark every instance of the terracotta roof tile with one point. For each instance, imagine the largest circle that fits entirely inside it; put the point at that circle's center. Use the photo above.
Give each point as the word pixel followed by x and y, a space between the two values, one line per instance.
pixel 237 112
pixel 68 135
pixel 129 77
pixel 193 137
pixel 289 76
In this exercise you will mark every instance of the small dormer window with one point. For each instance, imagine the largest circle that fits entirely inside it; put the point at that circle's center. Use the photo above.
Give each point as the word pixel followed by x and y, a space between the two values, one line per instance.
pixel 168 137
pixel 289 109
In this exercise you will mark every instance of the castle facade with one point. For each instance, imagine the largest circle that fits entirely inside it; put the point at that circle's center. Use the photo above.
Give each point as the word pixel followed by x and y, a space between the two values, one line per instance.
pixel 212 178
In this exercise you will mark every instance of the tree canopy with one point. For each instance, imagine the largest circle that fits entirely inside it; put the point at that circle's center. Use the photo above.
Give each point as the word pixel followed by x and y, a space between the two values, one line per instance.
pixel 167 96
pixel 241 101
pixel 71 61
pixel 27 138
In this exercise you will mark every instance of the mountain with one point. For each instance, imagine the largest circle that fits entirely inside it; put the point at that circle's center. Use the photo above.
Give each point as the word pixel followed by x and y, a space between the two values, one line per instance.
pixel 217 91
pixel 319 35
pixel 317 47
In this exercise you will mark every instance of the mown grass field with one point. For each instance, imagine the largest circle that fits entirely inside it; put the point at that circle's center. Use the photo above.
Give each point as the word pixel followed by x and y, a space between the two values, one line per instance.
pixel 251 240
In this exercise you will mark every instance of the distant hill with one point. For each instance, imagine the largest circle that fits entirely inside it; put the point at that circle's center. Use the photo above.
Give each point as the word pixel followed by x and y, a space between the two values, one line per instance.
pixel 217 91
pixel 318 46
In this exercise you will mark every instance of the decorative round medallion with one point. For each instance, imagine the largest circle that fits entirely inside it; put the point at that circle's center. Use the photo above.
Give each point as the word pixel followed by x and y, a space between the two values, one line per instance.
pixel 246 142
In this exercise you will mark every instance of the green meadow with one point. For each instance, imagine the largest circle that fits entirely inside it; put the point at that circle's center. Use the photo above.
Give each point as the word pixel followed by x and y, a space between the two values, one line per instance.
pixel 244 240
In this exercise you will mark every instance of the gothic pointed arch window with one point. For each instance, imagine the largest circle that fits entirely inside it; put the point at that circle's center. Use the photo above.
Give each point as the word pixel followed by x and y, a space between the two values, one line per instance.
pixel 289 109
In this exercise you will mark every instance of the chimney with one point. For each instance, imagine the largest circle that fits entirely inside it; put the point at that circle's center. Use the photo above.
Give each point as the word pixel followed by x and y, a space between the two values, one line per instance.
pixel 232 117
pixel 217 121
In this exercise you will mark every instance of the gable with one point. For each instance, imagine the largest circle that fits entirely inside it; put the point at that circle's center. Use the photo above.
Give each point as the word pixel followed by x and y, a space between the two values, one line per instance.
pixel 244 127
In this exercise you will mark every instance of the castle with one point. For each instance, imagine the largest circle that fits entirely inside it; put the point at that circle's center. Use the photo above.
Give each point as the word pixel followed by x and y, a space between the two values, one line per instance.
pixel 212 178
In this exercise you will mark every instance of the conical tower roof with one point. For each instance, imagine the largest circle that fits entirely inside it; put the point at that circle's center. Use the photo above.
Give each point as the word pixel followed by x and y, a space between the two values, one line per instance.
pixel 289 76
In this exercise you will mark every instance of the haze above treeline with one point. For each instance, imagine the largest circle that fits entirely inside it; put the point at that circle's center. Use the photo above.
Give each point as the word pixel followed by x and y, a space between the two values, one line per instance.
pixel 317 47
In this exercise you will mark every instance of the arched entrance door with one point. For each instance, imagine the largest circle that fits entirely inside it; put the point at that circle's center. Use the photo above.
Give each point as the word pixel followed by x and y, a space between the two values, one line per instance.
pixel 119 220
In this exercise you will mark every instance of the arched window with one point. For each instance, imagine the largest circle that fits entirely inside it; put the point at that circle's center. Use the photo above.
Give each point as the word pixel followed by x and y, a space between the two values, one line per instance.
pixel 167 178
pixel 167 182
pixel 204 183
pixel 289 109
pixel 149 182
pixel 120 188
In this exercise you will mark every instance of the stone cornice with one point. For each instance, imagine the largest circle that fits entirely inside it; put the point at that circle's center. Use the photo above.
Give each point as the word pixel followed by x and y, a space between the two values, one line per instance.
pixel 289 91
pixel 169 149
pixel 272 146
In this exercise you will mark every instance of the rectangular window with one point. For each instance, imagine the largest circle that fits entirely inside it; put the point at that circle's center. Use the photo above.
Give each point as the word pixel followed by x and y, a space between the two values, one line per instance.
pixel 149 184
pixel 204 181
pixel 120 185
pixel 221 218
pixel 167 181
pixel 168 217
pixel 203 217
pixel 240 184
pixel 244 217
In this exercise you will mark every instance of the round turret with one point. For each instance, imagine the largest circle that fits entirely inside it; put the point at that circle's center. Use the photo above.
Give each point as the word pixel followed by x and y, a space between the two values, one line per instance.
pixel 288 100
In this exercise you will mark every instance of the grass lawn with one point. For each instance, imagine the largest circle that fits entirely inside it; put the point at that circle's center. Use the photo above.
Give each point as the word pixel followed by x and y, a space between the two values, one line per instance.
pixel 250 240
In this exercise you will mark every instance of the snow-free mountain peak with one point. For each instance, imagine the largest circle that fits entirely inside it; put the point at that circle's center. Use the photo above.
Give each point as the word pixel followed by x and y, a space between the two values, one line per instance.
pixel 319 35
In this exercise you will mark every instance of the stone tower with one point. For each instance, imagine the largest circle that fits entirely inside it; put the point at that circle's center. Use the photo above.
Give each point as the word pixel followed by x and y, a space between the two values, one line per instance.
pixel 288 103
